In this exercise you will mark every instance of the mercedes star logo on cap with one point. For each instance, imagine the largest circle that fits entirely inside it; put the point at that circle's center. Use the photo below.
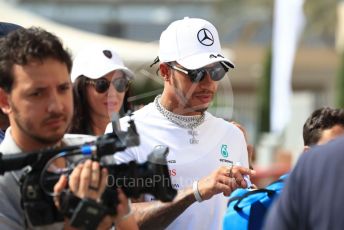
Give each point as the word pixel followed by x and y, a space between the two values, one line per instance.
pixel 205 37
pixel 107 53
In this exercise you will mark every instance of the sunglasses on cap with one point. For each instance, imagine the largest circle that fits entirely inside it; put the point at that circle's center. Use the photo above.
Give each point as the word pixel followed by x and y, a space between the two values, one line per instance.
pixel 216 72
pixel 102 85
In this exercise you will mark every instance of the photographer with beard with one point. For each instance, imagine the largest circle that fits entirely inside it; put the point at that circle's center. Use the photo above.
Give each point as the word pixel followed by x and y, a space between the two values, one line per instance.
pixel 36 95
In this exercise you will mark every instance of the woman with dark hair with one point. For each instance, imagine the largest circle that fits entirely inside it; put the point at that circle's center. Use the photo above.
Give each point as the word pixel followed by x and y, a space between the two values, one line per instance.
pixel 100 82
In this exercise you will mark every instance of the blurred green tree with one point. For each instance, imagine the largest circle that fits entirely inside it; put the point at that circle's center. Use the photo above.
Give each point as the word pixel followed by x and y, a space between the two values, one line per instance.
pixel 264 95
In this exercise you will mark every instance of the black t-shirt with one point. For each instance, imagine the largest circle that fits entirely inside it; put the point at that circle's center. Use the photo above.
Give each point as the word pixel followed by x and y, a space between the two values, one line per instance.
pixel 313 197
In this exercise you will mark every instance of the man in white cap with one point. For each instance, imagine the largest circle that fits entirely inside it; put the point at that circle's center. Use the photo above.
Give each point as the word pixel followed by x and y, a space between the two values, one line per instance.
pixel 203 149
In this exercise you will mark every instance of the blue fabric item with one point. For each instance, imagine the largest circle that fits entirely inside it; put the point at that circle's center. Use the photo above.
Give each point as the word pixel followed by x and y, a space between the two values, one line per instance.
pixel 247 207
pixel 6 27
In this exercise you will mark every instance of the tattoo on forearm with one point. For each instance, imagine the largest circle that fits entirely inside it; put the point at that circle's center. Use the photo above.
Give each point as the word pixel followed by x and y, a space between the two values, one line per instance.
pixel 158 215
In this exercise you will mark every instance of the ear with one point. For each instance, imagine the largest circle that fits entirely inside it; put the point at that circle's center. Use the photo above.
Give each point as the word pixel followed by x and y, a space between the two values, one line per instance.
pixel 4 102
pixel 165 71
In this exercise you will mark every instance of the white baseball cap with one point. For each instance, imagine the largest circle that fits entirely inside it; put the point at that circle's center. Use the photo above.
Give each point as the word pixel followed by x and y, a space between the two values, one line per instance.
pixel 95 62
pixel 192 42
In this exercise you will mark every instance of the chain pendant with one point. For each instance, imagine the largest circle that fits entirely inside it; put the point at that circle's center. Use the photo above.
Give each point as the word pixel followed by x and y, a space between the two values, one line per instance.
pixel 193 140
pixel 186 122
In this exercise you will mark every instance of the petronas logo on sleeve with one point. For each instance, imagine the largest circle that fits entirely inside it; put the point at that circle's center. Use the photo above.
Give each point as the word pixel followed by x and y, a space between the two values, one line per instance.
pixel 224 151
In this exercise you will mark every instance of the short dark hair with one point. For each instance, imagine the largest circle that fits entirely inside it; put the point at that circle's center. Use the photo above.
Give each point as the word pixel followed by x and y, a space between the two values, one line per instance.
pixel 81 123
pixel 25 45
pixel 321 119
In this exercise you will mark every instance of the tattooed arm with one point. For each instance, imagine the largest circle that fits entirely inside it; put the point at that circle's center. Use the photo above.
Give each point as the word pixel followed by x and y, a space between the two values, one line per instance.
pixel 158 215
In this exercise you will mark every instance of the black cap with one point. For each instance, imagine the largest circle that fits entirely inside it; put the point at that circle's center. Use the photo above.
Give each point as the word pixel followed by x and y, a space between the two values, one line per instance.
pixel 6 27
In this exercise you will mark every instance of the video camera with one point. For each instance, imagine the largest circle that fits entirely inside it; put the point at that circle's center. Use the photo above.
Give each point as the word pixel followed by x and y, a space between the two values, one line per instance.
pixel 36 184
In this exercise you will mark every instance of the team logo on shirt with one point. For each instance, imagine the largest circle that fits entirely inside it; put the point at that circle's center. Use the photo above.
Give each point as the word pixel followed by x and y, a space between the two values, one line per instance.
pixel 224 151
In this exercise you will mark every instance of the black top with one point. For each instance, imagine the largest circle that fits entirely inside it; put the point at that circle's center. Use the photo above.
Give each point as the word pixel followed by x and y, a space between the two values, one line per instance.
pixel 313 197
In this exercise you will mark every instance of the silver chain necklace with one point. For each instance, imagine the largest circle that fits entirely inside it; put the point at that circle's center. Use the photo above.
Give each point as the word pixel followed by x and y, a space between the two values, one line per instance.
pixel 186 122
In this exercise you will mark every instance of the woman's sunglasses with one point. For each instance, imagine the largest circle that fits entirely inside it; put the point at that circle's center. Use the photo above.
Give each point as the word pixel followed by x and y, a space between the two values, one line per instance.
pixel 216 72
pixel 102 85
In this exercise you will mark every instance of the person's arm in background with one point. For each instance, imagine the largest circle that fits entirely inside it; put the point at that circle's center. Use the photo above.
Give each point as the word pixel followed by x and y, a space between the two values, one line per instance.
pixel 250 148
